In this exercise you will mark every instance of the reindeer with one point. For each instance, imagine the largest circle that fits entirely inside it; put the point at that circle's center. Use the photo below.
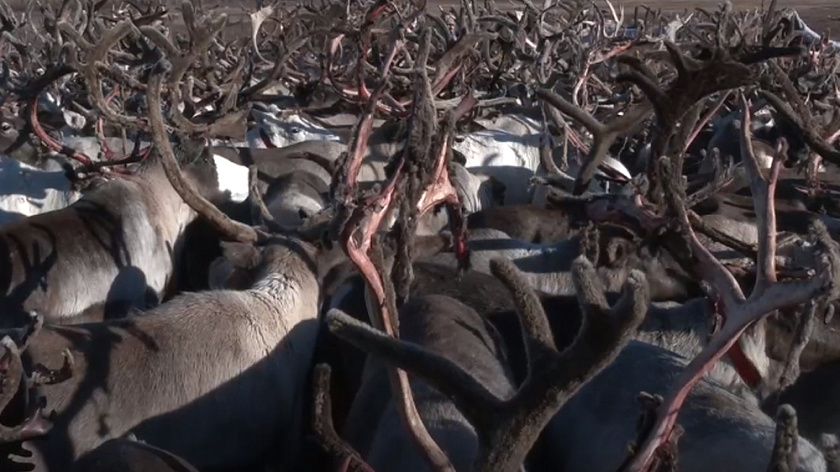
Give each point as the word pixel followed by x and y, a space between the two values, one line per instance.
pixel 260 341
pixel 448 328
pixel 547 267
pixel 529 223
pixel 129 455
pixel 275 314
pixel 28 191
pixel 125 232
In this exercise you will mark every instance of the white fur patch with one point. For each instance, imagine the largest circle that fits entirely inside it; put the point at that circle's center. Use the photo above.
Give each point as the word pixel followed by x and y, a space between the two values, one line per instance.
pixel 232 177
pixel 508 150
pixel 27 190
pixel 284 129
pixel 285 209
pixel 74 120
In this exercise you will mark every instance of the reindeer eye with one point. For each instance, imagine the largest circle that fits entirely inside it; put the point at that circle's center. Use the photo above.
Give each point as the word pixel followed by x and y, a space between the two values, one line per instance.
pixel 295 130
pixel 5 126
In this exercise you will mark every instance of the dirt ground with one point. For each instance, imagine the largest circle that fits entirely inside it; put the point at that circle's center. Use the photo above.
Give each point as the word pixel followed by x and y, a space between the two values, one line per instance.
pixel 820 15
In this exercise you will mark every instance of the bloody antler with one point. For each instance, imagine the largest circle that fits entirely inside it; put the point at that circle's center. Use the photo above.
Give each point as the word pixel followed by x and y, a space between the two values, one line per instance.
pixel 739 311
pixel 365 219
pixel 49 141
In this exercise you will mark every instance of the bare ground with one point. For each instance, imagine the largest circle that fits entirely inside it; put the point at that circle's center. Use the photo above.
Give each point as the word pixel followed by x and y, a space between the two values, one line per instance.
pixel 820 15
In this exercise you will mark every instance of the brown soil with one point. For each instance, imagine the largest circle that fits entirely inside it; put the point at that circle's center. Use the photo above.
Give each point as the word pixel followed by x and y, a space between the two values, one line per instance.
pixel 820 15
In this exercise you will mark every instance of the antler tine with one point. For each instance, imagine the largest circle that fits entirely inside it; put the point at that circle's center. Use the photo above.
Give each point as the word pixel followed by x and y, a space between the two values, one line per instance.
pixel 34 426
pixel 257 19
pixel 322 423
pixel 785 454
pixel 230 228
pixel 740 311
pixel 43 375
pixel 506 436
pixel 603 135
pixel 763 190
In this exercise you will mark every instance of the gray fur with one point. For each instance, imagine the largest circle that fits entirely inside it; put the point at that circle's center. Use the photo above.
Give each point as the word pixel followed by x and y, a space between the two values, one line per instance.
pixel 294 196
pixel 446 327
pixel 212 377
pixel 547 268
pixel 722 431
pixel 125 455
pixel 117 244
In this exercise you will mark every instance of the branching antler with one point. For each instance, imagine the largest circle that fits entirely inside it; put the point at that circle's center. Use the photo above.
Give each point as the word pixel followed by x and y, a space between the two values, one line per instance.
pixel 164 152
pixel 202 32
pixel 95 58
pixel 603 135
pixel 739 311
pixel 382 310
pixel 12 378
pixel 793 108
pixel 506 435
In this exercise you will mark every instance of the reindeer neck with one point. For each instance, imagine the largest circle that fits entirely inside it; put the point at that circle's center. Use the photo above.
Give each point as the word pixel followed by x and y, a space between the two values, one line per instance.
pixel 164 203
pixel 287 284
pixel 686 329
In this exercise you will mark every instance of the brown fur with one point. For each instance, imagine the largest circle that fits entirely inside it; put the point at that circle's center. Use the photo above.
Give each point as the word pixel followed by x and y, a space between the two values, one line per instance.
pixel 530 223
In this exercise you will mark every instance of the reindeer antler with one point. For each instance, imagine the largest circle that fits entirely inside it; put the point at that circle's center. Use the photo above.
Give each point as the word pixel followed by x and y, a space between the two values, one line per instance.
pixel 740 311
pixel 202 32
pixel 232 229
pixel 506 435
pixel 322 423
pixel 383 310
pixel 12 378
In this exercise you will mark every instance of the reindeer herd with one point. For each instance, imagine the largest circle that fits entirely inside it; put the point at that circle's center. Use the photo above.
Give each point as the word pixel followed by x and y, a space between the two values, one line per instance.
pixel 371 237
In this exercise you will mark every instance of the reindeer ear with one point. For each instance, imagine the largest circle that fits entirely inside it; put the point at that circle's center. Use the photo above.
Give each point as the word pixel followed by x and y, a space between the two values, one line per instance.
pixel 499 190
pixel 617 251
pixel 235 269
pixel 459 158
pixel 223 275
pixel 241 255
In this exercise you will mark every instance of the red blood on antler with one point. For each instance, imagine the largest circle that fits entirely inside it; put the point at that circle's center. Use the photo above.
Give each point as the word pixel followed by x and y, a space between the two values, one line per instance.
pixel 49 141
pixel 740 311
pixel 365 218
pixel 441 189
